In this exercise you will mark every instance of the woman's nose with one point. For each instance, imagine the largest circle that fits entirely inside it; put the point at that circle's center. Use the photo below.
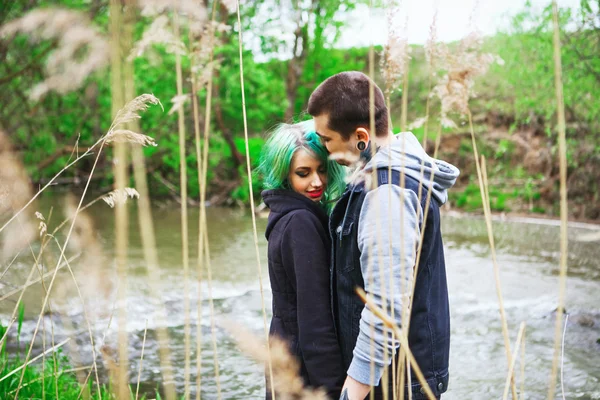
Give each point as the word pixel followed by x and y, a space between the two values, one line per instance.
pixel 317 181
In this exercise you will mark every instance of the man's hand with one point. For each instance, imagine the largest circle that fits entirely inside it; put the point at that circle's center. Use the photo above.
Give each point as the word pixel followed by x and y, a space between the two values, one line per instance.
pixel 354 389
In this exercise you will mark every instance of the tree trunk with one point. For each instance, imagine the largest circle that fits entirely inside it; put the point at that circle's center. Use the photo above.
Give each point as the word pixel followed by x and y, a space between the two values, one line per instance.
pixel 296 66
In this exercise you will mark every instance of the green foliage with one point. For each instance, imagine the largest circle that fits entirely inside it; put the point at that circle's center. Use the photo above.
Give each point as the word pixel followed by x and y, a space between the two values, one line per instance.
pixel 519 94
pixel 56 380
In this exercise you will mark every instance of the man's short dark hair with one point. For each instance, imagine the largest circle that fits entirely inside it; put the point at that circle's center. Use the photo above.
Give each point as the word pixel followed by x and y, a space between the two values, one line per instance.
pixel 345 98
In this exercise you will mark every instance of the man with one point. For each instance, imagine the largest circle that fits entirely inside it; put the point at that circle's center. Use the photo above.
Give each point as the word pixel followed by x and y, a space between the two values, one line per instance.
pixel 376 229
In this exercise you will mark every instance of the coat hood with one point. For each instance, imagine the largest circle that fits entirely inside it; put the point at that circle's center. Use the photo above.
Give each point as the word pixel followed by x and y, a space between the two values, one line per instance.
pixel 282 202
pixel 405 152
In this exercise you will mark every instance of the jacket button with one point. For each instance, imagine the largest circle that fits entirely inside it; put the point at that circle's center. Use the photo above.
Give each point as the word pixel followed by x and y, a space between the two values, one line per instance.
pixel 440 386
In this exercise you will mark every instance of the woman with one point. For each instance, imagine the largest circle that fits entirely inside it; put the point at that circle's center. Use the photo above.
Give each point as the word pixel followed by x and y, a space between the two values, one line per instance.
pixel 301 185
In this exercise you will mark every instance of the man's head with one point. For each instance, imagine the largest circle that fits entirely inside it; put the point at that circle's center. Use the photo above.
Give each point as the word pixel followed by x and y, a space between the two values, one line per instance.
pixel 340 107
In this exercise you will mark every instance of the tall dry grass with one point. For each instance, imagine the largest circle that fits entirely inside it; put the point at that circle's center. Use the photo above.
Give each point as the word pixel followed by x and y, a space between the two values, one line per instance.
pixel 562 156
pixel 252 208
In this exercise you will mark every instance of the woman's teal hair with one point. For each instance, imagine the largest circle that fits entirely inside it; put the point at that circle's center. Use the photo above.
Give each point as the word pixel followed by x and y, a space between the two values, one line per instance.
pixel 282 144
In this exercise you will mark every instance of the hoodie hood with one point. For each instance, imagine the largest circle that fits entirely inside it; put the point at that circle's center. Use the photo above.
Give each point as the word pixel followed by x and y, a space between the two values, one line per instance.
pixel 282 202
pixel 404 152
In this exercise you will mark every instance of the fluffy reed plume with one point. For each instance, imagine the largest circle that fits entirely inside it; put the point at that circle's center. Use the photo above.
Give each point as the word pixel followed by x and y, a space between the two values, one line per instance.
pixel 15 192
pixel 65 67
pixel 42 228
pixel 178 102
pixel 230 5
pixel 119 196
pixel 396 53
pixel 202 62
pixel 286 380
pixel 193 11
pixel 129 113
pixel 462 65
pixel 159 32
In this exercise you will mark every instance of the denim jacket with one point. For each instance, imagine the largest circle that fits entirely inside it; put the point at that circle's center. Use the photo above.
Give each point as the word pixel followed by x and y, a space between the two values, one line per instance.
pixel 362 259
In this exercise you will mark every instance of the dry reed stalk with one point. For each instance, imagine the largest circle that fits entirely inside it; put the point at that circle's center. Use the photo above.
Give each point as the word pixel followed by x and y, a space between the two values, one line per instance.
pixel 482 178
pixel 145 212
pixel 515 355
pixel 66 69
pixel 130 111
pixel 121 213
pixel 96 283
pixel 184 216
pixel 396 53
pixel 562 154
pixel 202 164
pixel 153 270
pixel 286 381
pixel 15 191
pixel 200 224
pixel 454 89
pixel 429 55
pixel 251 195
pixel 400 336
pixel 522 391
pixel 374 183
pixel 137 388
pixel 49 290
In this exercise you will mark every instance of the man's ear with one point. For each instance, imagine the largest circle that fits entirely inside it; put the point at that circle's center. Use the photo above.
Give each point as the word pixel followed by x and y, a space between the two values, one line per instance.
pixel 362 135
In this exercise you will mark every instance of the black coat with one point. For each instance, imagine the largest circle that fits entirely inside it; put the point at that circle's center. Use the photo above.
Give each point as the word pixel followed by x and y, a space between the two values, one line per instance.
pixel 299 258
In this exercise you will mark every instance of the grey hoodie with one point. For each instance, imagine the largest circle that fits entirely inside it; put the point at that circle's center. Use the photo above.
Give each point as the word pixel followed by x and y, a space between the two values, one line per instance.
pixel 389 231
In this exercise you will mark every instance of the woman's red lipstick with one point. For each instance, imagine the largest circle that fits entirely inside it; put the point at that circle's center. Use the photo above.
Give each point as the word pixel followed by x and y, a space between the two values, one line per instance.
pixel 315 193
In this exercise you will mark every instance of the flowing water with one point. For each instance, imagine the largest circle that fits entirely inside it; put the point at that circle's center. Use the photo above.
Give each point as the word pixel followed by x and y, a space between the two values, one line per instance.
pixel 527 257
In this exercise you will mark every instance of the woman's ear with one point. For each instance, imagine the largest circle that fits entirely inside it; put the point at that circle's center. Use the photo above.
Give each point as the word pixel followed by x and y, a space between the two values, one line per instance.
pixel 362 135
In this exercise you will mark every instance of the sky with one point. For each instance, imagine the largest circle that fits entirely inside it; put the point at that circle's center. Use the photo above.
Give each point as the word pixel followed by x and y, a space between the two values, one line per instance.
pixel 453 20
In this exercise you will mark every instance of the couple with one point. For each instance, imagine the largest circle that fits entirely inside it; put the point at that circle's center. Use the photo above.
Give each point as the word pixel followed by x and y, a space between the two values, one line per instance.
pixel 319 253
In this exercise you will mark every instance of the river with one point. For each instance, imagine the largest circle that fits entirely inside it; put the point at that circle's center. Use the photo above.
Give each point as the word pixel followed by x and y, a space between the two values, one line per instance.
pixel 527 253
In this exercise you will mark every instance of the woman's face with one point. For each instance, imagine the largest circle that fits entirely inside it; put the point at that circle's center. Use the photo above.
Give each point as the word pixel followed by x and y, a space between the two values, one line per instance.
pixel 308 175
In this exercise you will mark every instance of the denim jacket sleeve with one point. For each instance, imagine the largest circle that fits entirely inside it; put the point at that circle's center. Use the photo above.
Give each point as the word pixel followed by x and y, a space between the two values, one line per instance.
pixel 388 235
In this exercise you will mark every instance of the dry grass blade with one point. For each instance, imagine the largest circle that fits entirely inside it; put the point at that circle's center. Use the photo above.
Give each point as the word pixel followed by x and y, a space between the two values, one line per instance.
pixel 137 388
pixel 511 368
pixel 562 151
pixel 66 68
pixel 482 178
pixel 400 336
pixel 184 214
pixel 251 196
